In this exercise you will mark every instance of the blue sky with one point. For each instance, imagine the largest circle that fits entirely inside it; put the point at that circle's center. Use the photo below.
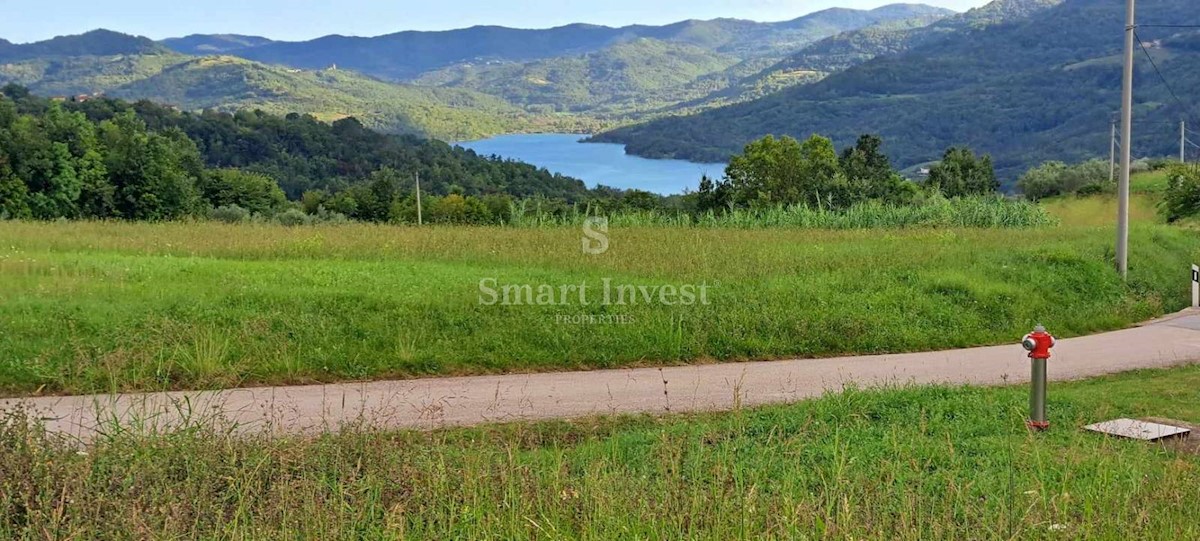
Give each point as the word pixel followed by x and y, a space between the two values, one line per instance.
pixel 306 19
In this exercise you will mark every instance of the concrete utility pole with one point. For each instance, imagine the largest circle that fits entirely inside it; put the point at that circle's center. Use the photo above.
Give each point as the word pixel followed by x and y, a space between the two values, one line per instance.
pixel 1126 147
pixel 419 222
pixel 1112 154
pixel 1182 141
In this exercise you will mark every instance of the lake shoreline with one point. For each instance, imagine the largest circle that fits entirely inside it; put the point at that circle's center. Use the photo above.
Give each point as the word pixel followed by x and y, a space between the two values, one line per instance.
pixel 597 163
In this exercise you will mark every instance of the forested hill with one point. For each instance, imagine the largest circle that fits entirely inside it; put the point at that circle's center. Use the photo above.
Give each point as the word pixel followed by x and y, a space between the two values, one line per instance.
pixel 405 55
pixel 205 44
pixel 848 49
pixel 640 74
pixel 1038 87
pixel 130 67
pixel 96 42
pixel 298 152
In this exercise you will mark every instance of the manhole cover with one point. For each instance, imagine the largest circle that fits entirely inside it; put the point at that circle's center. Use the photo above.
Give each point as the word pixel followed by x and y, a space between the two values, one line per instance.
pixel 1138 430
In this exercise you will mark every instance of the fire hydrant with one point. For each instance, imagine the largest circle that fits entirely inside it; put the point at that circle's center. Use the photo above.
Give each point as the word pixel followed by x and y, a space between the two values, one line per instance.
pixel 1038 343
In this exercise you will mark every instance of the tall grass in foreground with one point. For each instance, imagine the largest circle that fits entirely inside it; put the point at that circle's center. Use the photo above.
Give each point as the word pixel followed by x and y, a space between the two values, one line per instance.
pixel 97 307
pixel 980 212
pixel 920 463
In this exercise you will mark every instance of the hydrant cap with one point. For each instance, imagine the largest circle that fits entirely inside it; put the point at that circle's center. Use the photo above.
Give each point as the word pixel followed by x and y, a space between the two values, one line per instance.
pixel 1039 328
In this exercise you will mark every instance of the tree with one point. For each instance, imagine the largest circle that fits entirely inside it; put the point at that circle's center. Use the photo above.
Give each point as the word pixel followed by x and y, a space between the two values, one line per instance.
pixel 766 172
pixel 865 161
pixel 154 175
pixel 822 182
pixel 256 193
pixel 787 172
pixel 451 209
pixel 59 188
pixel 14 195
pixel 639 200
pixel 712 196
pixel 961 174
pixel 96 193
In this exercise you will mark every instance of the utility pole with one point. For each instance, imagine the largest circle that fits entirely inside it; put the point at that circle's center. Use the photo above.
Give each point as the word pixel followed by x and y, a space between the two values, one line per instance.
pixel 1112 154
pixel 1126 146
pixel 1182 141
pixel 418 177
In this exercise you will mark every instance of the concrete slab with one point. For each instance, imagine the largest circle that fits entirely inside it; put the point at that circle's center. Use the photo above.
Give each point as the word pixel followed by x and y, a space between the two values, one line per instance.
pixel 1138 430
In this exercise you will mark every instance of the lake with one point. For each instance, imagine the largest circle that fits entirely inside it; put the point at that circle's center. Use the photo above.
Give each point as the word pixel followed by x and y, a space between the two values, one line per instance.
pixel 597 163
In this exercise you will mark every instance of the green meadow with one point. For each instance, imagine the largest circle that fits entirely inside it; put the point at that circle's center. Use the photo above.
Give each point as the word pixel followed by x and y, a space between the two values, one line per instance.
pixel 903 463
pixel 112 306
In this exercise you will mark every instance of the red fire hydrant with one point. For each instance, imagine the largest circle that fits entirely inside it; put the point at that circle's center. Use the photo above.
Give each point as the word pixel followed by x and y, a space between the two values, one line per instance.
pixel 1038 343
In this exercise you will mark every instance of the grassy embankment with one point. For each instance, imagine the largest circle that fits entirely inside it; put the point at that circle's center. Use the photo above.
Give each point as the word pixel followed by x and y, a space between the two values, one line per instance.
pixel 923 463
pixel 115 306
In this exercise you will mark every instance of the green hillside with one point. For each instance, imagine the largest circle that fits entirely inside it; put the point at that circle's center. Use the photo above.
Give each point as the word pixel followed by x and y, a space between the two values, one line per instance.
pixel 97 42
pixel 407 55
pixel 136 68
pixel 204 44
pixel 1004 89
pixel 851 48
pixel 640 74
pixel 229 83
pixel 842 51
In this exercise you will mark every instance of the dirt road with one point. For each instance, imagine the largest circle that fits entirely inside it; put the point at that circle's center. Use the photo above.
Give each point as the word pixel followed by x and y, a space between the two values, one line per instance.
pixel 427 403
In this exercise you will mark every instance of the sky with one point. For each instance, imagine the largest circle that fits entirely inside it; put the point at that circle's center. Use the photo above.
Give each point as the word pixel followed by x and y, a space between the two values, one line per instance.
pixel 306 19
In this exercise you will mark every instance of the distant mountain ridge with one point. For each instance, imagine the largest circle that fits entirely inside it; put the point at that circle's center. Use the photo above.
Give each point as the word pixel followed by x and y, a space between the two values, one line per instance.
pixel 134 68
pixel 202 44
pixel 489 79
pixel 96 43
pixel 405 55
pixel 639 74
pixel 1027 89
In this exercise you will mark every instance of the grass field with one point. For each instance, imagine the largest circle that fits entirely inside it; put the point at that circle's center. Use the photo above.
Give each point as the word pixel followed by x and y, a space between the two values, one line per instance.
pixel 121 306
pixel 921 463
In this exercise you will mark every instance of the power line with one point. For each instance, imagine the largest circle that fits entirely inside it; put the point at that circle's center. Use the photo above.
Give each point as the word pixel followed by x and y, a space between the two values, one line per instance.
pixel 1150 57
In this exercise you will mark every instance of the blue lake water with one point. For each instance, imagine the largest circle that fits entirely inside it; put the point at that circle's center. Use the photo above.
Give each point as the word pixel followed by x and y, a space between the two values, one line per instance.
pixel 597 163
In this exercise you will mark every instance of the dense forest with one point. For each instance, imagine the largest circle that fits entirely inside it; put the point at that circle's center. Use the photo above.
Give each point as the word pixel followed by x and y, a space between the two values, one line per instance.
pixel 130 67
pixel 105 158
pixel 1027 90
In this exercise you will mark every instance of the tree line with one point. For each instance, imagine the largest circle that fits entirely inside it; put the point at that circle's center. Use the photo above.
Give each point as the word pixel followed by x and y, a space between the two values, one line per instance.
pixel 107 158
pixel 774 172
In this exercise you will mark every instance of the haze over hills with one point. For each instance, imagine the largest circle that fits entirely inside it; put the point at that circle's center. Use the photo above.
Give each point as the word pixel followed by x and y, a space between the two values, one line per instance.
pixel 202 44
pixel 133 68
pixel 1023 88
pixel 640 74
pixel 854 47
pixel 585 71
pixel 405 55
pixel 1023 80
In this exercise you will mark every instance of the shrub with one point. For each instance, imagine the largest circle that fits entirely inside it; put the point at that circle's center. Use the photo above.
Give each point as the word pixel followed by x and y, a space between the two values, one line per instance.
pixel 231 214
pixel 1096 189
pixel 324 216
pixel 1057 178
pixel 293 217
pixel 1182 198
